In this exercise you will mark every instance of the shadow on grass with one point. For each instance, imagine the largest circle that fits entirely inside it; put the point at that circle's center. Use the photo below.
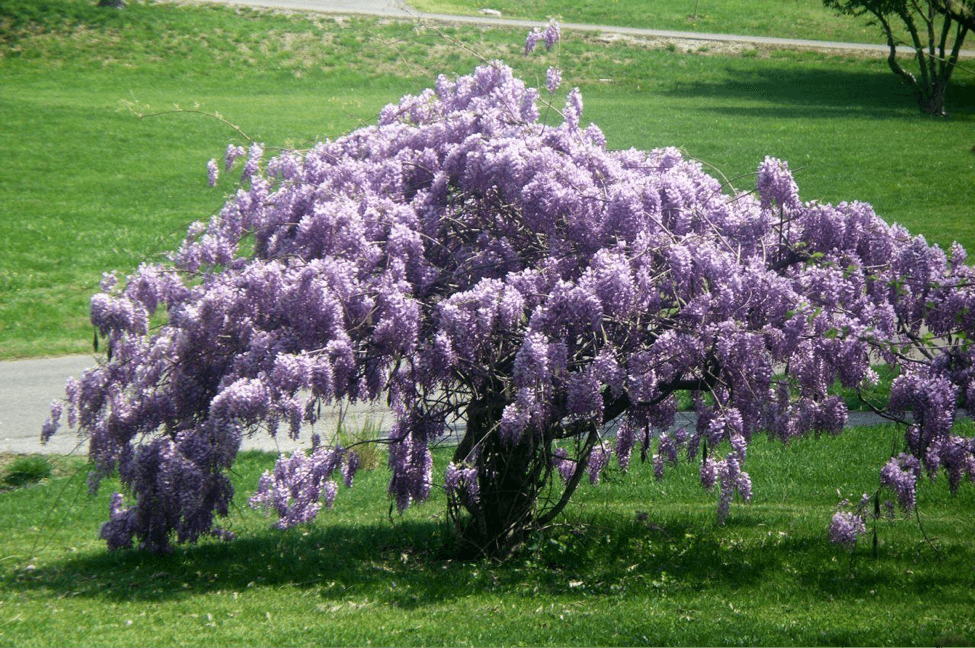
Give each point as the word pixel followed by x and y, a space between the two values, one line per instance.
pixel 818 93
pixel 328 558
pixel 410 565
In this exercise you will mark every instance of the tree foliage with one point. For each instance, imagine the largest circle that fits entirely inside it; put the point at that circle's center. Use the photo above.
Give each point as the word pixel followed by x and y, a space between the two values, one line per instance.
pixel 961 11
pixel 462 260
pixel 937 30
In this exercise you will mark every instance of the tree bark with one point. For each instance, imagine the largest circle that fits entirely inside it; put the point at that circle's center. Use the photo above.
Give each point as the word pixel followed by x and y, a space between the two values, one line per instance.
pixel 512 477
pixel 509 478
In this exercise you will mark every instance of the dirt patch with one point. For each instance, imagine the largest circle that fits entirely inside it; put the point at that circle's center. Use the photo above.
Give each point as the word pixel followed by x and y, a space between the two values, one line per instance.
pixel 714 47
pixel 682 45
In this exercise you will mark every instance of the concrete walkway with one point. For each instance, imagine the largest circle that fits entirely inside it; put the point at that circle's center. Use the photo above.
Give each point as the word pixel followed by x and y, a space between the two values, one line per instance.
pixel 27 388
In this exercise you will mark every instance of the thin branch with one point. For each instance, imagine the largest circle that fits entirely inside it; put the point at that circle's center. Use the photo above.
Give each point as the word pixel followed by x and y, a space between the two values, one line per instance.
pixel 214 115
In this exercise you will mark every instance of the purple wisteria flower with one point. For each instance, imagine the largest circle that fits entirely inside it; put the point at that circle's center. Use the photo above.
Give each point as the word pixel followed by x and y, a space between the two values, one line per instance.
pixel 565 465
pixel 53 422
pixel 626 437
pixel 549 36
pixel 118 531
pixel 845 528
pixel 233 152
pixel 776 185
pixel 900 475
pixel 461 482
pixel 552 34
pixel 553 79
pixel 254 156
pixel 301 484
pixel 598 460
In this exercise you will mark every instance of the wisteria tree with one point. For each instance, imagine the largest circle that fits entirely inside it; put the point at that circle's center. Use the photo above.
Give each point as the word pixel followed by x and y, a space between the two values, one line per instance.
pixel 463 260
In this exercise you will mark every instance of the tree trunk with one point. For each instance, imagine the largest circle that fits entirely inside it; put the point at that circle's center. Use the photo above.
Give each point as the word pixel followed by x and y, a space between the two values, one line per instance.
pixel 933 101
pixel 510 476
pixel 935 67
pixel 518 486
pixel 508 484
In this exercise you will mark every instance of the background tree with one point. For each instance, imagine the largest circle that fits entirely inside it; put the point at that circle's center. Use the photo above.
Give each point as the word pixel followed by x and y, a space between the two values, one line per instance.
pixel 937 29
pixel 464 261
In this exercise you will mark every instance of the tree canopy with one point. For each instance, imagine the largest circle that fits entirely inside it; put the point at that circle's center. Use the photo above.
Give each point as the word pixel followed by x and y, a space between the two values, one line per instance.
pixel 462 259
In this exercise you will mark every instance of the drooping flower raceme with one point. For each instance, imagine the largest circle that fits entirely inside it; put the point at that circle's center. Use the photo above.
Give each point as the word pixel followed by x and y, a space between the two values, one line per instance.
pixel 213 172
pixel 553 79
pixel 461 259
pixel 846 527
pixel 549 36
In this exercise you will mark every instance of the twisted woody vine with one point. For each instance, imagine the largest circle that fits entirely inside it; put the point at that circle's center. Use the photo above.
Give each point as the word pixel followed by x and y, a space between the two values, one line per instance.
pixel 461 259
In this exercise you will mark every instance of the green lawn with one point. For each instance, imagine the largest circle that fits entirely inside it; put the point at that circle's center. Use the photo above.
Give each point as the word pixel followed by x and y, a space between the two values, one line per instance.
pixel 633 562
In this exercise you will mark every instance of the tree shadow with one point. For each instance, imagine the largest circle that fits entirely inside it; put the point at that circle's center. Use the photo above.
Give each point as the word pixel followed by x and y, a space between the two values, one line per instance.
pixel 330 558
pixel 412 564
pixel 819 93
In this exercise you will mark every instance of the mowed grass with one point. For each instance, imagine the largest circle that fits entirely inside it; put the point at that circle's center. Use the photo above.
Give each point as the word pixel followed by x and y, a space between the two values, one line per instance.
pixel 633 562
pixel 91 183
pixel 800 19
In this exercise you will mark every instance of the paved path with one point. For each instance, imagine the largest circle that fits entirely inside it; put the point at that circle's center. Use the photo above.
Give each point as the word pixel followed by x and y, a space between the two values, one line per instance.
pixel 27 388
pixel 399 9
